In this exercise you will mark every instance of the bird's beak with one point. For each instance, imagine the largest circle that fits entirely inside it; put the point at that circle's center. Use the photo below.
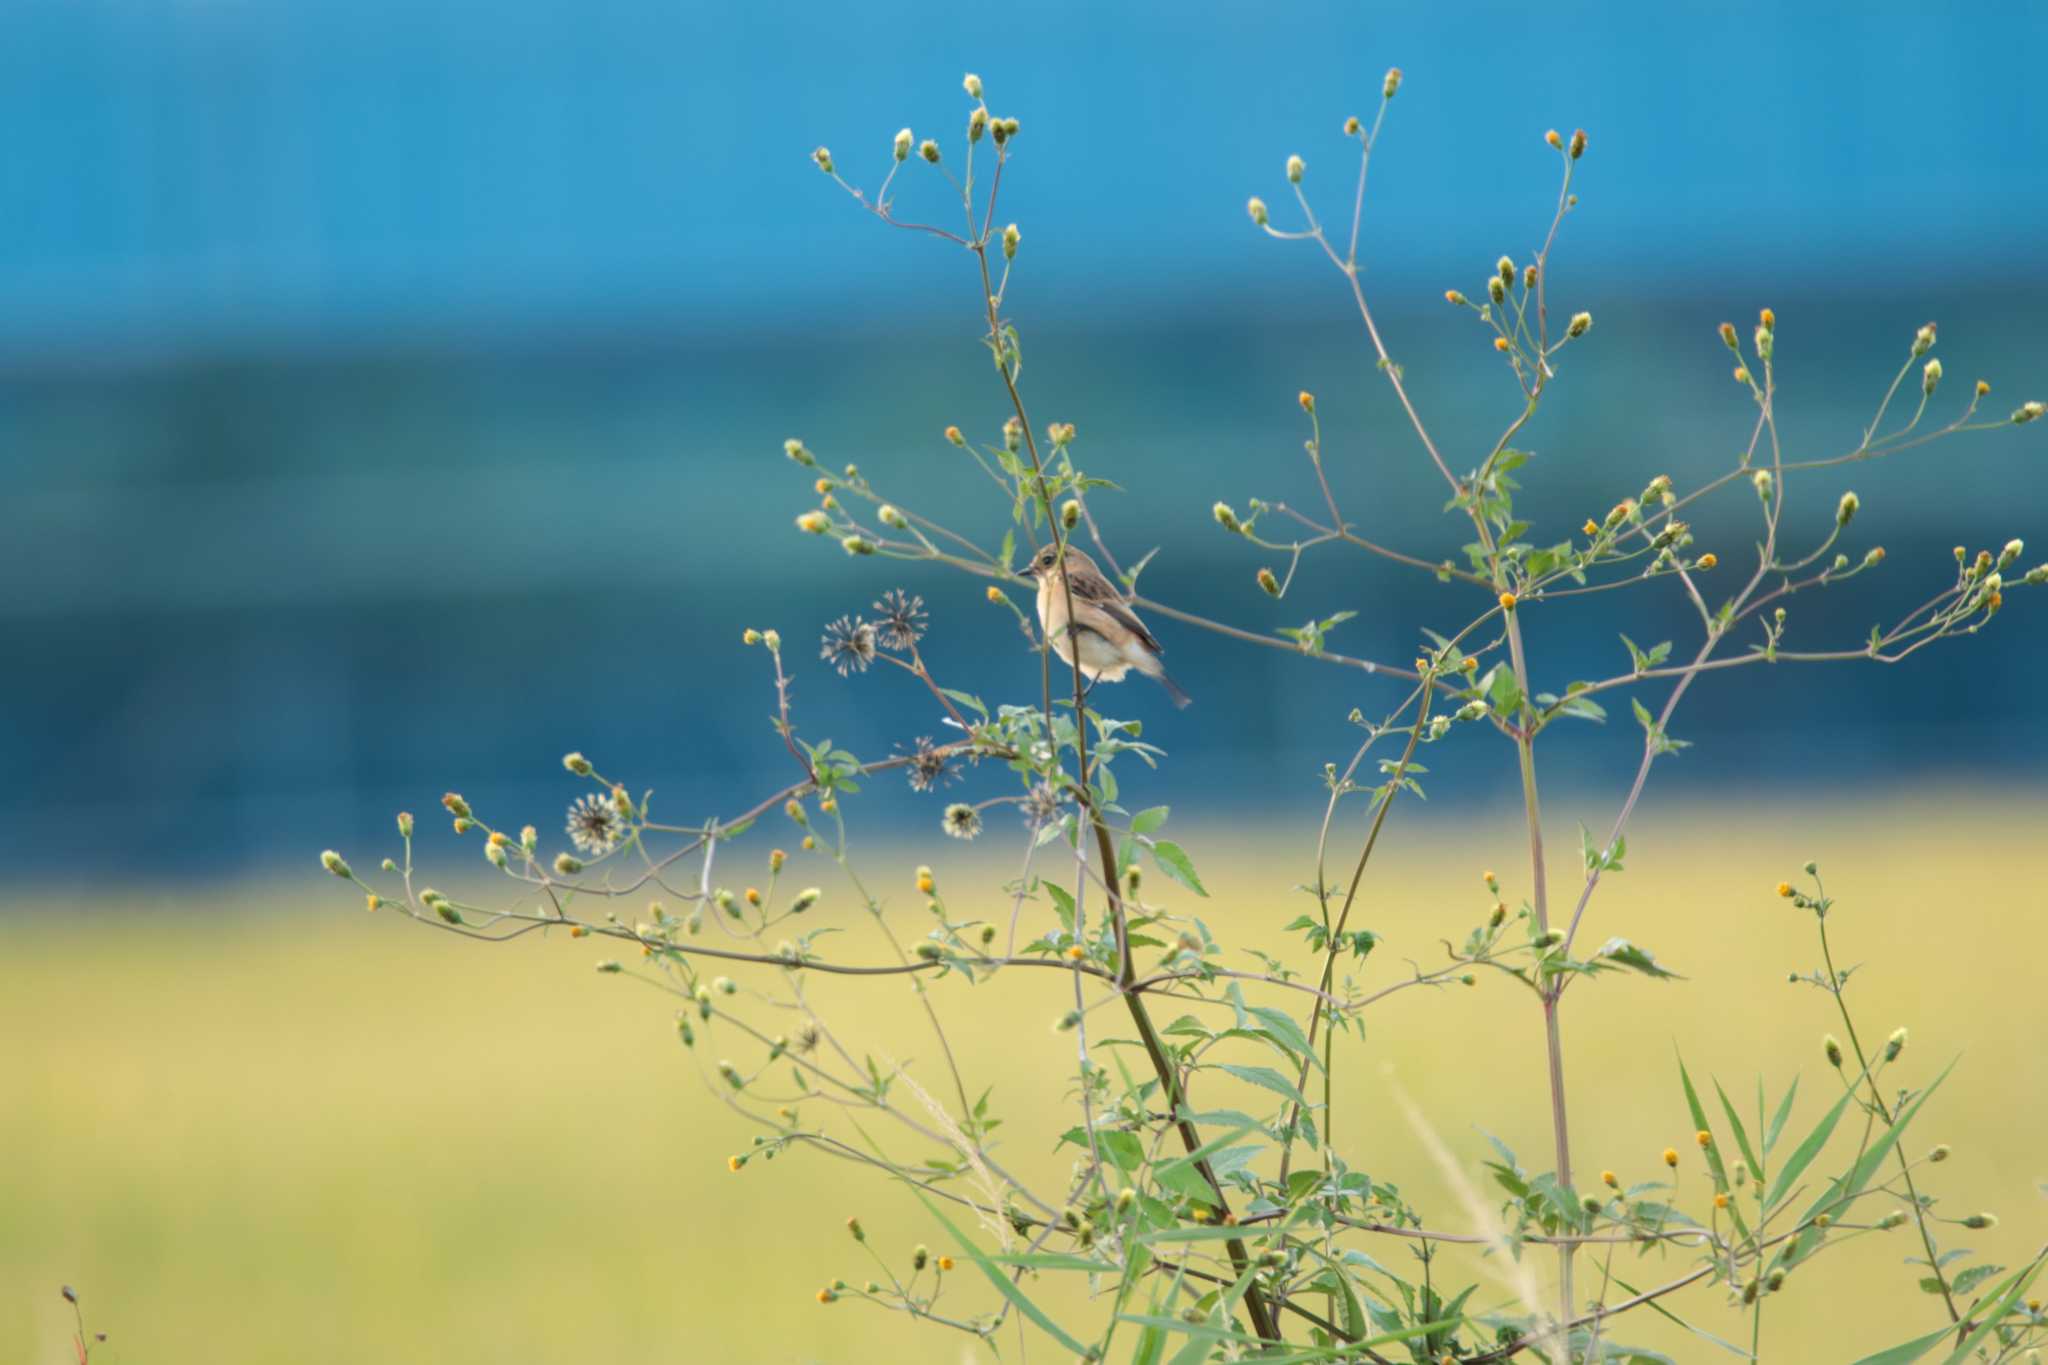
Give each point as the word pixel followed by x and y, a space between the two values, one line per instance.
pixel 1027 572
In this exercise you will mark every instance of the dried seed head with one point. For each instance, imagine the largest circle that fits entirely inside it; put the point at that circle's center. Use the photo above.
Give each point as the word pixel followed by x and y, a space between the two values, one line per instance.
pixel 1268 583
pixel 1352 127
pixel 1506 270
pixel 1013 434
pixel 1578 147
pixel 1579 325
pixel 1496 289
pixel 971 83
pixel 1392 83
pixel 977 124
pixel 929 150
pixel 1923 340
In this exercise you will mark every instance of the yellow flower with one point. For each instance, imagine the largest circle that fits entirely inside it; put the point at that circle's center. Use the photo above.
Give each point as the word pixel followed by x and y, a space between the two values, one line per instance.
pixel 753 896
pixel 1671 1157
pixel 1703 1138
pixel 1075 952
pixel 1785 889
pixel 1708 560
pixel 733 1163
pixel 1500 344
pixel 1507 601
pixel 1608 1178
pixel 945 1262
pixel 1720 1201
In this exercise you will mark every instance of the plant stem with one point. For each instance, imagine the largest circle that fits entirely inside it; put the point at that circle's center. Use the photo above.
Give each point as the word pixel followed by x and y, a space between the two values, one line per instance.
pixel 1553 1036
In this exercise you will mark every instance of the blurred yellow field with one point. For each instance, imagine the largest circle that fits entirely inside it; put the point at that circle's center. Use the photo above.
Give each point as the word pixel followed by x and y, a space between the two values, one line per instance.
pixel 262 1125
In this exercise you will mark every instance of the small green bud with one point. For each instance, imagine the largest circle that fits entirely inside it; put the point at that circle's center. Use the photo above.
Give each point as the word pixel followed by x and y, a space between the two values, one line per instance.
pixel 857 545
pixel 1226 518
pixel 1896 1218
pixel 920 1256
pixel 725 985
pixel 823 156
pixel 609 968
pixel 903 145
pixel 1295 167
pixel 1895 1044
pixel 1496 289
pixel 977 124
pixel 890 515
pixel 2027 412
pixel 405 824
pixel 796 451
pixel 1763 482
pixel 1067 1021
pixel 457 807
pixel 577 764
pixel 1845 510
pixel 1579 325
pixel 1126 1198
pixel 1941 1152
pixel 1833 1050
pixel 332 861
pixel 1010 239
pixel 1392 83
pixel 567 864
pixel 1977 1222
pixel 929 150
pixel 1268 583
pixel 1070 514
pixel 726 1069
pixel 1923 340
pixel 388 865
pixel 1256 207
pixel 1505 268
pixel 971 83
pixel 1930 377
pixel 2013 550
pixel 805 899
pixel 859 1233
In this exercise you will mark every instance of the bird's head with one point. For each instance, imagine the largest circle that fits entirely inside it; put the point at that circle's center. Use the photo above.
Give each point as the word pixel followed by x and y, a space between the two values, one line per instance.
pixel 1041 565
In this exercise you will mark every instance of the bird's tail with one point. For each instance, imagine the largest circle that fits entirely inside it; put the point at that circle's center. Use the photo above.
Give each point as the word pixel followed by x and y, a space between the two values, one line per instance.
pixel 1173 689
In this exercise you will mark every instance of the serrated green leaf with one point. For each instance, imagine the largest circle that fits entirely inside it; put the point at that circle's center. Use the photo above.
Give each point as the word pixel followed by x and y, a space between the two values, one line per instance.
pixel 1175 863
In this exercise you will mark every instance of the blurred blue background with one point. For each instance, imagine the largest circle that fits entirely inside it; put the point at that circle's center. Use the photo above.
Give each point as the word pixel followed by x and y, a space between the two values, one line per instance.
pixel 392 395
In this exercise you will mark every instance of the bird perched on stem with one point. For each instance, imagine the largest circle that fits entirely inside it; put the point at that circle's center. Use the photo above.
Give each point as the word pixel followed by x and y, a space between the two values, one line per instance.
pixel 1109 636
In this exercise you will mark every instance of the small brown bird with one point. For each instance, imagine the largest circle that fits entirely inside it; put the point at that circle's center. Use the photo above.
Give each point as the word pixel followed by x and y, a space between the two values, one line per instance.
pixel 1111 639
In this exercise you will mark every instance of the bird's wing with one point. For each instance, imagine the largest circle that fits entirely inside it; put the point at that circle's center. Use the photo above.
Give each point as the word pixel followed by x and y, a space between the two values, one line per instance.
pixel 1095 589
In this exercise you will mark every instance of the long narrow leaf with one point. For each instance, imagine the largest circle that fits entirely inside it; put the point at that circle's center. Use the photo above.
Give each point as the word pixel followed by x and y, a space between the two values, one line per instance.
pixel 1803 1155
pixel 1031 1311
pixel 2021 1278
pixel 1907 1352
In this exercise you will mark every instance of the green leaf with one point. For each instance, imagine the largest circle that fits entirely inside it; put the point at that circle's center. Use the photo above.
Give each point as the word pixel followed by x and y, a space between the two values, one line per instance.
pixel 1909 1351
pixel 2004 1298
pixel 1741 1134
pixel 1778 1119
pixel 1282 1026
pixel 1267 1079
pixel 1174 862
pixel 1003 1285
pixel 1056 1260
pixel 1803 1155
pixel 1623 953
pixel 1973 1277
pixel 1145 821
